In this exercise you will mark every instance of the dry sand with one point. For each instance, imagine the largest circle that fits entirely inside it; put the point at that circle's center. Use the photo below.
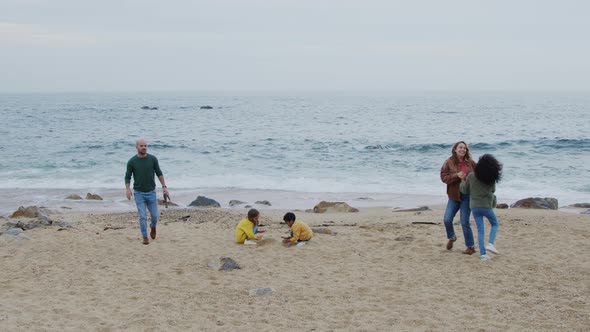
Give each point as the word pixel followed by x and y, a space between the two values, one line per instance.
pixel 382 274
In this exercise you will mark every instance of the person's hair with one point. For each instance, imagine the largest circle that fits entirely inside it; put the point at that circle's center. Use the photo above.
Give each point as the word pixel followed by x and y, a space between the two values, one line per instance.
pixel 253 213
pixel 467 154
pixel 289 216
pixel 488 169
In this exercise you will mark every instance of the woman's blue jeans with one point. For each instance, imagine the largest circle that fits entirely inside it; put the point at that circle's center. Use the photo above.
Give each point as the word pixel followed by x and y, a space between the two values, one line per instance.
pixel 147 200
pixel 452 208
pixel 478 214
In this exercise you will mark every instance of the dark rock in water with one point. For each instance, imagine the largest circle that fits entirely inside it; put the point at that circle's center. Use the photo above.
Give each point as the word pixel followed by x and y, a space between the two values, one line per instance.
pixel 204 201
pixel 161 202
pixel 223 263
pixel 263 203
pixel 74 196
pixel 235 202
pixel 153 108
pixel 502 206
pixel 248 207
pixel 93 197
pixel 586 212
pixel 581 205
pixel 537 203
pixel 323 207
pixel 206 107
pixel 421 208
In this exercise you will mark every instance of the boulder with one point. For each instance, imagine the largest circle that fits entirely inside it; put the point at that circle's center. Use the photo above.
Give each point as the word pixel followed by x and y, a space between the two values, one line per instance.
pixel 74 196
pixel 262 203
pixel 28 212
pixel 93 197
pixel 204 201
pixel 328 207
pixel 206 107
pixel 223 263
pixel 537 203
pixel 502 206
pixel 581 205
pixel 13 231
pixel 161 202
pixel 235 202
pixel 585 212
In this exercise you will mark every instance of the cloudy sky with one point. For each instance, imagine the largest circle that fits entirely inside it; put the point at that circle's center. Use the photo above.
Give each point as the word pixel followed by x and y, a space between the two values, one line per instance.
pixel 293 45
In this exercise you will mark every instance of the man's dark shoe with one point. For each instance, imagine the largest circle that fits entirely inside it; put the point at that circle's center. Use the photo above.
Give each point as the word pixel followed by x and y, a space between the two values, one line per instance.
pixel 146 240
pixel 469 251
pixel 153 233
pixel 450 243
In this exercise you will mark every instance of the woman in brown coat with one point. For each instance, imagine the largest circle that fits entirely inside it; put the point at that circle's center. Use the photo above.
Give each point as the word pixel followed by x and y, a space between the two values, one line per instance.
pixel 452 172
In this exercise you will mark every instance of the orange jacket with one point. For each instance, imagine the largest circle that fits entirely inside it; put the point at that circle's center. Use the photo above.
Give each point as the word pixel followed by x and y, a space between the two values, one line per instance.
pixel 448 175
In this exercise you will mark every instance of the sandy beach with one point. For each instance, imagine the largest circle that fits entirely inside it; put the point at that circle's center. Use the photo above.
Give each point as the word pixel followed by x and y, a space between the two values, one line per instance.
pixel 381 271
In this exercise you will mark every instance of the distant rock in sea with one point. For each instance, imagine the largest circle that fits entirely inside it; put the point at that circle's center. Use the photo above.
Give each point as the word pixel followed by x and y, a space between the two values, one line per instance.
pixel 502 206
pixel 206 107
pixel 263 203
pixel 74 196
pixel 153 108
pixel 93 197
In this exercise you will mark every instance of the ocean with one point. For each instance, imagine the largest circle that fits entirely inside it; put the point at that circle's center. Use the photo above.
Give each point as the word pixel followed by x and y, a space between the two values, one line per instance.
pixel 373 147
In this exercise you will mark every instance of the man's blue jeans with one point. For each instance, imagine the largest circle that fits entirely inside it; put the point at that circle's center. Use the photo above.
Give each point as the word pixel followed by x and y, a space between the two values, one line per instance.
pixel 452 208
pixel 147 200
pixel 478 214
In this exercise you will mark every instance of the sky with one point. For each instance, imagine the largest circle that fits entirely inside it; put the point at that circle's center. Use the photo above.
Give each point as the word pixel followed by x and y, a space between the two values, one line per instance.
pixel 298 45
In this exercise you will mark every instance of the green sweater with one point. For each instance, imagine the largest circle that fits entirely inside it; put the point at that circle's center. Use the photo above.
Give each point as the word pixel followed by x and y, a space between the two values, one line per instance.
pixel 481 195
pixel 143 170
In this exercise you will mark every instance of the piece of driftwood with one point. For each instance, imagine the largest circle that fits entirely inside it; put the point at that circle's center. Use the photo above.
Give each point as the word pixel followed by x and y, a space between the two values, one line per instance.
pixel 114 227
pixel 328 225
pixel 424 223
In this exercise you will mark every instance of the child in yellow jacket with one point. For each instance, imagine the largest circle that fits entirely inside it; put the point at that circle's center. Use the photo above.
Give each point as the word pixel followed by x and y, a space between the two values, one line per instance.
pixel 300 232
pixel 247 228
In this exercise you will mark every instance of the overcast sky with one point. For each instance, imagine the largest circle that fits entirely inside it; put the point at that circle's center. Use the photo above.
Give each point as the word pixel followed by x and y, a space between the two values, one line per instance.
pixel 228 45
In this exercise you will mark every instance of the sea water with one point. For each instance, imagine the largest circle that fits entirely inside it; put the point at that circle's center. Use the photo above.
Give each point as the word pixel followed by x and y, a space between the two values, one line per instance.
pixel 368 146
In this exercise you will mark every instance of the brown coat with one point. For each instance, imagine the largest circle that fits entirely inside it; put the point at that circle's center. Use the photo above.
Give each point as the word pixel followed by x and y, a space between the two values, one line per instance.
pixel 448 175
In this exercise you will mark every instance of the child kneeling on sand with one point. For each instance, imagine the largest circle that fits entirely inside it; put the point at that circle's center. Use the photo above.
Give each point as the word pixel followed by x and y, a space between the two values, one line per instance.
pixel 247 228
pixel 300 232
pixel 481 185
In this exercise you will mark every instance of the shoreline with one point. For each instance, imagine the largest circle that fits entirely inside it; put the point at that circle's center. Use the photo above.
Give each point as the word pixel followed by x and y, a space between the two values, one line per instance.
pixel 114 200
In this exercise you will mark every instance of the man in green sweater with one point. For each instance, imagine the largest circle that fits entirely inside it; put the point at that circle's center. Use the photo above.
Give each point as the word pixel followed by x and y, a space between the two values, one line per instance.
pixel 143 166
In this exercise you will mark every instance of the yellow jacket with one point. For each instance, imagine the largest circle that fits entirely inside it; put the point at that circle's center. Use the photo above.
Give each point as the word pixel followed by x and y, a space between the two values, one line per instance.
pixel 301 232
pixel 245 230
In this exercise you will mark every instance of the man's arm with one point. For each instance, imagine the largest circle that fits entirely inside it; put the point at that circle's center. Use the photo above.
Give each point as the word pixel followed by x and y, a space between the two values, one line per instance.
pixel 128 180
pixel 163 182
